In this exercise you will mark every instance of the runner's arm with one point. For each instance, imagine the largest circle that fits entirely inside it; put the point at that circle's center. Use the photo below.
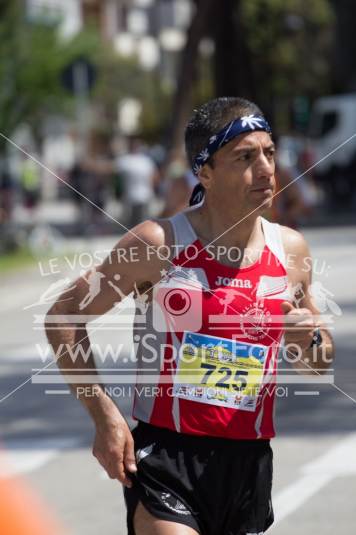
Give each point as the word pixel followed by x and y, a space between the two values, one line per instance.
pixel 302 321
pixel 113 443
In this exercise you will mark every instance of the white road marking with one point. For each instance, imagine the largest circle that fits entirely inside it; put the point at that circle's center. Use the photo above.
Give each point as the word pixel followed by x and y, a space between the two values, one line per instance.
pixel 21 457
pixel 26 352
pixel 338 461
pixel 16 300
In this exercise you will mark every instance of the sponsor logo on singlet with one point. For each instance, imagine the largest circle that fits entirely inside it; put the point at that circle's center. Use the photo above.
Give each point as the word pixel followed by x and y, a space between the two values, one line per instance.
pixel 256 321
pixel 234 283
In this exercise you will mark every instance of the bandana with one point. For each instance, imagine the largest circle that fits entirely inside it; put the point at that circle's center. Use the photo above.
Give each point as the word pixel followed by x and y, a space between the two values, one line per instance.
pixel 249 123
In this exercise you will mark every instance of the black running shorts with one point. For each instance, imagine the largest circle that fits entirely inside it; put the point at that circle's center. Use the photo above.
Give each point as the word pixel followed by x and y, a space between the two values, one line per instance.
pixel 214 485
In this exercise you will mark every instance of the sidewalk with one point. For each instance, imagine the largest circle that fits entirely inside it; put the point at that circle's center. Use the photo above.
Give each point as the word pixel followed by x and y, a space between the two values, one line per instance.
pixel 65 216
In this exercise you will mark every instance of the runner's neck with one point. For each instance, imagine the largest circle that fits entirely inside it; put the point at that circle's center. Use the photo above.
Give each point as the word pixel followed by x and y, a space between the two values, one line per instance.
pixel 211 227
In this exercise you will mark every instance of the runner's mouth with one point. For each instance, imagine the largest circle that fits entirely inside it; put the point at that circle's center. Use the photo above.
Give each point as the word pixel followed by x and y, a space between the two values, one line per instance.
pixel 262 190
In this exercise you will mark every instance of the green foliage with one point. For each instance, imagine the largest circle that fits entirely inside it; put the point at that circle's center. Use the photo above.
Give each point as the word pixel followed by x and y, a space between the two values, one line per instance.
pixel 203 89
pixel 157 109
pixel 32 57
pixel 16 260
pixel 118 78
pixel 289 42
pixel 122 77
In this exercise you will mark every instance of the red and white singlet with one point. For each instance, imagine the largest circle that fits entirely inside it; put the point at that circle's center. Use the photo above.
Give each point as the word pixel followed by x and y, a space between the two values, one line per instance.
pixel 208 346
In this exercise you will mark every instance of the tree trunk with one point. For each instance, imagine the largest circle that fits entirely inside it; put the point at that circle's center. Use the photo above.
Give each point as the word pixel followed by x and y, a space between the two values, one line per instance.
pixel 233 72
pixel 344 60
pixel 182 100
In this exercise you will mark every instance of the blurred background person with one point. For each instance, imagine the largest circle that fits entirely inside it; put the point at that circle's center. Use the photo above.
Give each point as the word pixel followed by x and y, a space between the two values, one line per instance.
pixel 6 194
pixel 296 195
pixel 289 205
pixel 30 182
pixel 139 176
pixel 177 186
pixel 89 185
pixel 77 178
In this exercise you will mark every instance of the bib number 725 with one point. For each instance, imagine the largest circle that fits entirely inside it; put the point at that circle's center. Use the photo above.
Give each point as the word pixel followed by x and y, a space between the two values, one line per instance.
pixel 238 383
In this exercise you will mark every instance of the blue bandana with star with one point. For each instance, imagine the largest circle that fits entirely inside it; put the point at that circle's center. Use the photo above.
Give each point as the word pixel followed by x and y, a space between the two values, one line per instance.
pixel 249 123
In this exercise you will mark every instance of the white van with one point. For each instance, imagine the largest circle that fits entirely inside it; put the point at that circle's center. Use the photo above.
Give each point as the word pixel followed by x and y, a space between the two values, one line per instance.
pixel 332 145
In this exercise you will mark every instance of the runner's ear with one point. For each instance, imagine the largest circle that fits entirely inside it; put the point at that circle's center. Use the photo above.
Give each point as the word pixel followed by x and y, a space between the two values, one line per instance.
pixel 205 176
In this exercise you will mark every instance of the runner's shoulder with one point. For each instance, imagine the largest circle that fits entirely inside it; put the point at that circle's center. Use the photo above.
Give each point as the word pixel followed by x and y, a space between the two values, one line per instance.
pixel 149 233
pixel 294 242
pixel 142 252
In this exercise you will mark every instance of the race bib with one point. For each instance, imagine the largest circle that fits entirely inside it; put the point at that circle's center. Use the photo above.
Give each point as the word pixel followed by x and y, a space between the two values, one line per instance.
pixel 219 371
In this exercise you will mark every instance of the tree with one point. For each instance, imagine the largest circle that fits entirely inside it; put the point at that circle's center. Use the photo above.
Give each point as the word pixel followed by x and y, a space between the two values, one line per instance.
pixel 344 53
pixel 120 77
pixel 233 71
pixel 289 43
pixel 186 75
pixel 270 51
pixel 32 57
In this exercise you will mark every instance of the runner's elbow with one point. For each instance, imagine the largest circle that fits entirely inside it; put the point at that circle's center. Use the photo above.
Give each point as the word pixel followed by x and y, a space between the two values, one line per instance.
pixel 56 308
pixel 61 314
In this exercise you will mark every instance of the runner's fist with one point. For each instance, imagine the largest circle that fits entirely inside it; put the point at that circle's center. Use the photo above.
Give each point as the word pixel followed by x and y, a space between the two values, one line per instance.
pixel 299 325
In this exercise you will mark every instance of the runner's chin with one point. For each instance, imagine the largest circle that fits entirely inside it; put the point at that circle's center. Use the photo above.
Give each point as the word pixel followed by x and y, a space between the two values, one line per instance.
pixel 262 197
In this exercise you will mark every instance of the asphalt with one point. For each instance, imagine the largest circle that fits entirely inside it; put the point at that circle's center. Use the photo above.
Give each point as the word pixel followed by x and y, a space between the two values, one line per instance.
pixel 48 437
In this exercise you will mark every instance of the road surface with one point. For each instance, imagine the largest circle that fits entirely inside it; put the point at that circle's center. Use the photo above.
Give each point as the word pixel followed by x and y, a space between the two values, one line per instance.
pixel 48 436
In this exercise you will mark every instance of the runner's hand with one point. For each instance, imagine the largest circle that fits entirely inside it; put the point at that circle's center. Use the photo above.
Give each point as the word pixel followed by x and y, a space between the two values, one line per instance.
pixel 299 325
pixel 114 449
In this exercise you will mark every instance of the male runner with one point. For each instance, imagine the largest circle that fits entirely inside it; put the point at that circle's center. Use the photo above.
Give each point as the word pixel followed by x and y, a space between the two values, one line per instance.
pixel 199 460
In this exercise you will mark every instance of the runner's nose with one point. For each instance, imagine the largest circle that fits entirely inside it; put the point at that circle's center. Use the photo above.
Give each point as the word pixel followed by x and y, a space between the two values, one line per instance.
pixel 265 166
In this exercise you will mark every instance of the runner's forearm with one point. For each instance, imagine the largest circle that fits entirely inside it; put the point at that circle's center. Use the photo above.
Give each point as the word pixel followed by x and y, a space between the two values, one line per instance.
pixel 71 360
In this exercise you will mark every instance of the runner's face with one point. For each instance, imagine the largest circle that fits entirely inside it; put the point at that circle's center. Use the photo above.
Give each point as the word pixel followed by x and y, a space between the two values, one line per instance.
pixel 243 172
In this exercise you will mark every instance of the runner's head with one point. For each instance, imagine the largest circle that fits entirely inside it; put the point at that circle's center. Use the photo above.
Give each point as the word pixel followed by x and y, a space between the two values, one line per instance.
pixel 218 126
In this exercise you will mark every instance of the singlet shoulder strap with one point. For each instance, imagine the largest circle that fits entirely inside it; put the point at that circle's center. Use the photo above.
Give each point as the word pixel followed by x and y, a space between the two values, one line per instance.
pixel 183 231
pixel 273 238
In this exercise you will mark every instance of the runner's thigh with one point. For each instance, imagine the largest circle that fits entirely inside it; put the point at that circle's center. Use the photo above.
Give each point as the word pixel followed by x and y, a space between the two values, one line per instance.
pixel 147 524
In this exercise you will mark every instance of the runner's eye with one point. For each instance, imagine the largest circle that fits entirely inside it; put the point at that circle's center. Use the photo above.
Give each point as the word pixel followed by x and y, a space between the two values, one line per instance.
pixel 245 157
pixel 271 153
